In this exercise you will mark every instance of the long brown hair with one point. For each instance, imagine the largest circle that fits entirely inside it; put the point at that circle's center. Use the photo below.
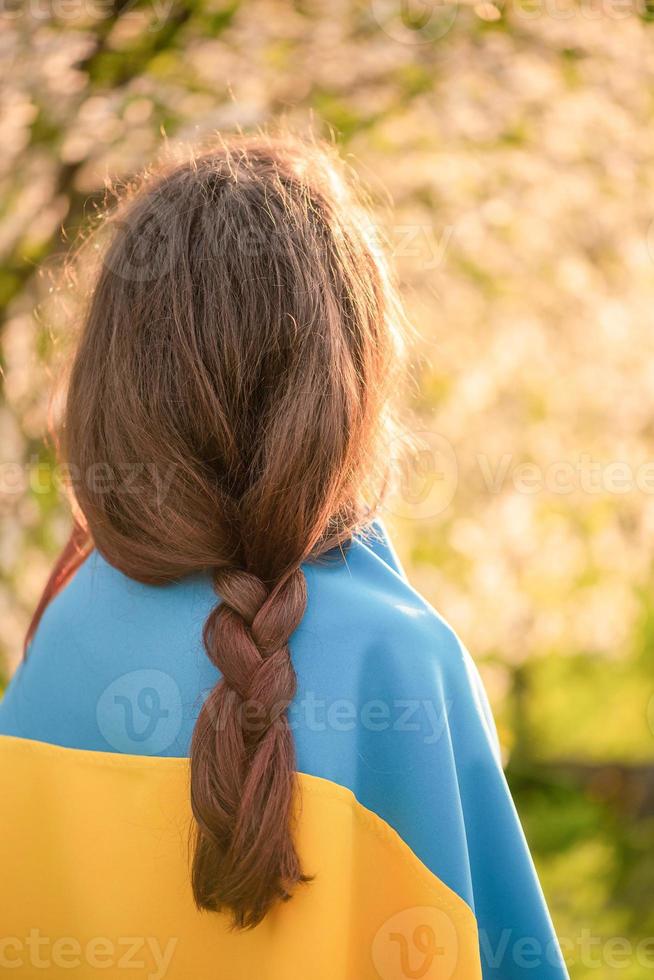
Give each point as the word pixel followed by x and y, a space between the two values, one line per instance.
pixel 237 353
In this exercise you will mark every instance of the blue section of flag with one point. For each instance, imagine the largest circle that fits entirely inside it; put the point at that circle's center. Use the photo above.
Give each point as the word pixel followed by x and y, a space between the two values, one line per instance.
pixel 389 705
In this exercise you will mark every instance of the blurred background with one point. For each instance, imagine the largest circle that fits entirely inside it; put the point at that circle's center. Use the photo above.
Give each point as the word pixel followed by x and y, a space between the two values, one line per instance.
pixel 510 151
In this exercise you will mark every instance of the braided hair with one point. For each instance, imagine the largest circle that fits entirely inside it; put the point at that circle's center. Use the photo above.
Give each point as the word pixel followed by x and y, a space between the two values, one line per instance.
pixel 238 351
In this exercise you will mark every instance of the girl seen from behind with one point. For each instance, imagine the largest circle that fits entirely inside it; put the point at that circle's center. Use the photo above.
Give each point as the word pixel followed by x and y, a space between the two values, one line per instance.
pixel 238 732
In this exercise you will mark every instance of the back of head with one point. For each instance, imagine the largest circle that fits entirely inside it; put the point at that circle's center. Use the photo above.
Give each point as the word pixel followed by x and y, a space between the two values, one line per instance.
pixel 237 352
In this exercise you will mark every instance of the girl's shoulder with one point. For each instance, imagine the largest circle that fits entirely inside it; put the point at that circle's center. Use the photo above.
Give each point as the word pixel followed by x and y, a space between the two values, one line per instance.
pixel 365 622
pixel 113 656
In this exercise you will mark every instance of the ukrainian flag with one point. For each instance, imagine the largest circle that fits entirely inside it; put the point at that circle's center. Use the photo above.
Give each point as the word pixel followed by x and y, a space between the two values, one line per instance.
pixel 403 816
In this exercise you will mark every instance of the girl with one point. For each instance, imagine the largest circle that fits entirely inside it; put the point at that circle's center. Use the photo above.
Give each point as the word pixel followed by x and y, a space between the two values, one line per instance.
pixel 228 644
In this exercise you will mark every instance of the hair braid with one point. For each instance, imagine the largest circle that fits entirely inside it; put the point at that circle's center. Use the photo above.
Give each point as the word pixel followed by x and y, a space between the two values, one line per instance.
pixel 244 719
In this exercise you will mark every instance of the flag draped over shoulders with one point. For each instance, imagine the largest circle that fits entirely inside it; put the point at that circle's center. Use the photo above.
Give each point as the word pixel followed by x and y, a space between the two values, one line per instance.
pixel 403 815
